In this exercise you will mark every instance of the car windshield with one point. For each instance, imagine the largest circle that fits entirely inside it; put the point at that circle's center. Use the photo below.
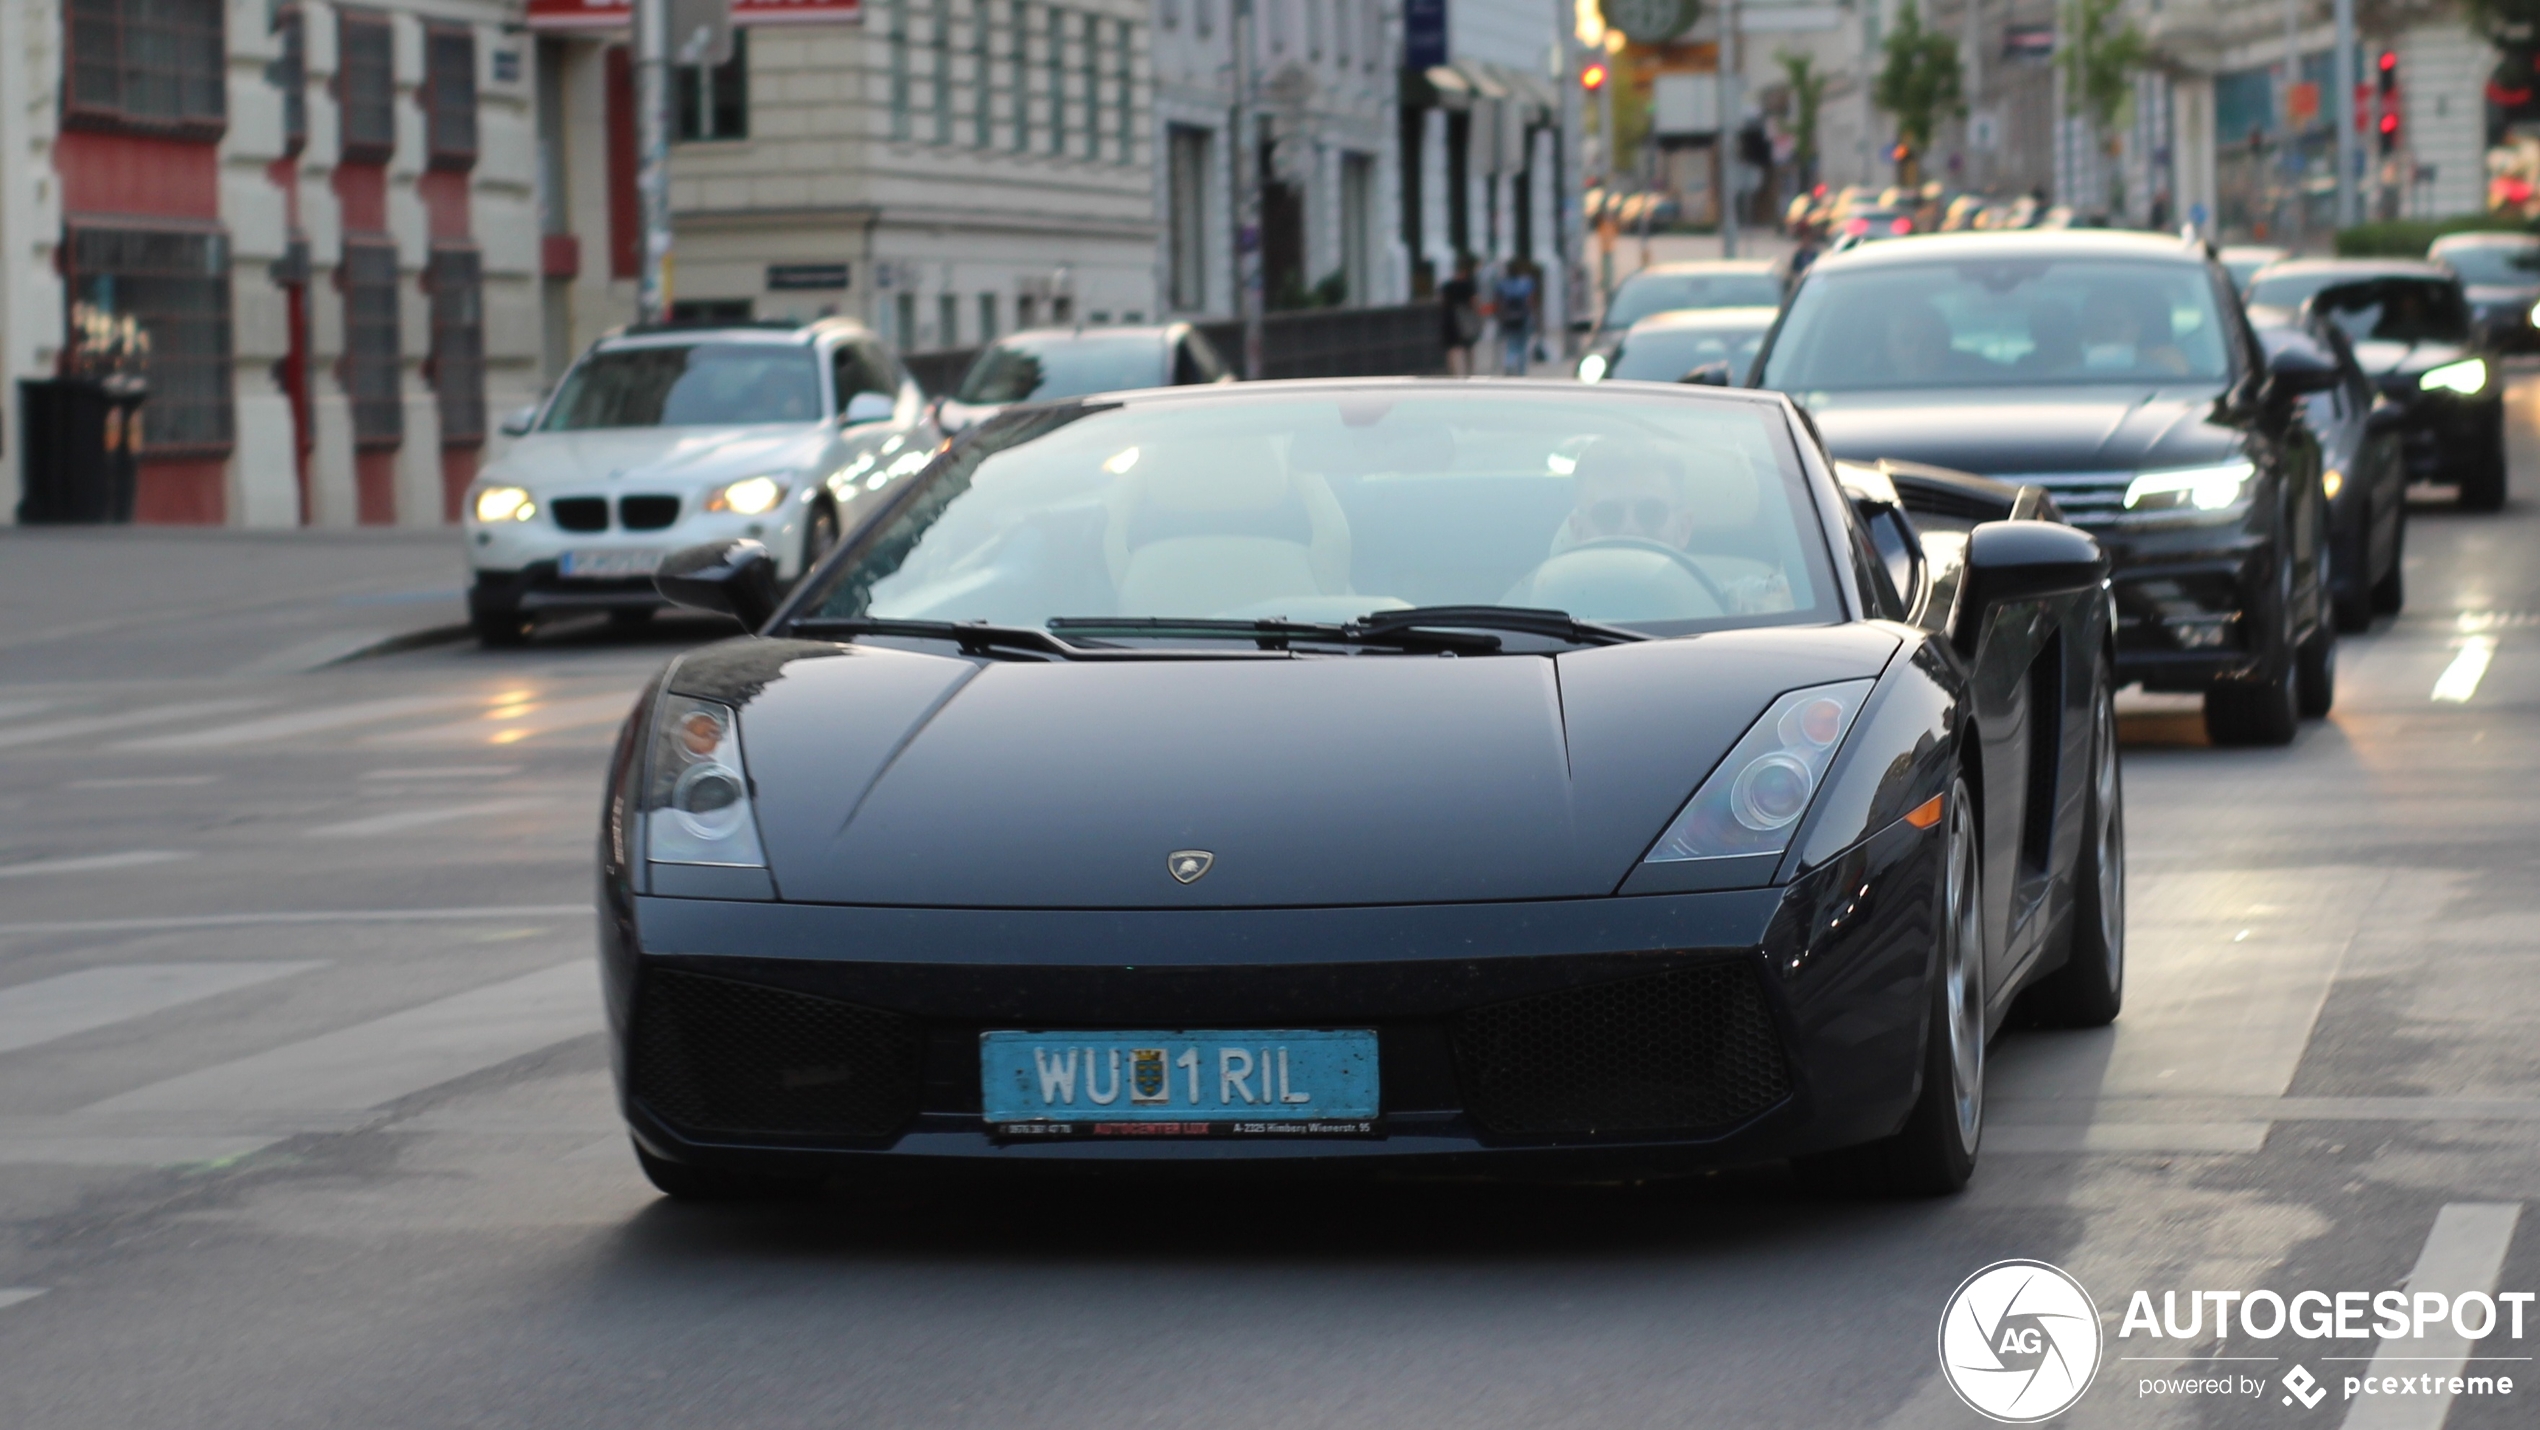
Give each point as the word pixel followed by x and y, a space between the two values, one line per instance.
pixel 688 385
pixel 2005 322
pixel 1647 293
pixel 1063 365
pixel 1667 354
pixel 2502 265
pixel 1669 513
pixel 2397 310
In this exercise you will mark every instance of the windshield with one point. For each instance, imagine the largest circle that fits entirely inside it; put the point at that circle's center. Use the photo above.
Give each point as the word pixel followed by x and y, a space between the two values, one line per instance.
pixel 2502 265
pixel 1647 293
pixel 2016 322
pixel 1659 511
pixel 1667 354
pixel 2397 310
pixel 1043 369
pixel 698 385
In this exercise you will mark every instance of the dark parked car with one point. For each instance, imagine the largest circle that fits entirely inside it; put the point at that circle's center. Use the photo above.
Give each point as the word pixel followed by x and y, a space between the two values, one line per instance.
pixel 2363 472
pixel 1045 364
pixel 2500 275
pixel 1458 778
pixel 1666 347
pixel 2411 328
pixel 2117 371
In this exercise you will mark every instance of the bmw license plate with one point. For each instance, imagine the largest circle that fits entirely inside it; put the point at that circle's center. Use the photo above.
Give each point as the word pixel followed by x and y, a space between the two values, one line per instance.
pixel 608 563
pixel 1317 1082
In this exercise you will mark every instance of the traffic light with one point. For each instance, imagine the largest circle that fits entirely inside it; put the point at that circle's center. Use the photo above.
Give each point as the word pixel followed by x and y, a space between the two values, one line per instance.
pixel 1592 76
pixel 2389 89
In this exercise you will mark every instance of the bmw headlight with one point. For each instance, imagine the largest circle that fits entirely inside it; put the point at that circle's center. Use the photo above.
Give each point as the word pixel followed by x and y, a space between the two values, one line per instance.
pixel 2466 377
pixel 2212 488
pixel 697 799
pixel 1752 803
pixel 750 496
pixel 496 504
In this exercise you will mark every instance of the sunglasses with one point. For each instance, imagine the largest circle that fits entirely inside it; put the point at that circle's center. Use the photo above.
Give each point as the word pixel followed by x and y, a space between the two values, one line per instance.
pixel 1638 514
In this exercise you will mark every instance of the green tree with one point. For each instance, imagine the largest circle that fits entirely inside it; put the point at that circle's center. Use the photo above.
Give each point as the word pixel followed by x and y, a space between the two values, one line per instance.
pixel 2099 60
pixel 1807 95
pixel 1918 87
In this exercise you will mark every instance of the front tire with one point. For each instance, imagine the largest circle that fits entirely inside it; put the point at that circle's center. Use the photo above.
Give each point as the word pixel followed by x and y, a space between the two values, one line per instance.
pixel 2391 591
pixel 2090 988
pixel 2482 476
pixel 494 613
pixel 2254 712
pixel 2315 672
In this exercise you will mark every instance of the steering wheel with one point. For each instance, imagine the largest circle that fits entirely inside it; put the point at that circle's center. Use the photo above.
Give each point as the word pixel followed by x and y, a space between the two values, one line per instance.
pixel 1701 577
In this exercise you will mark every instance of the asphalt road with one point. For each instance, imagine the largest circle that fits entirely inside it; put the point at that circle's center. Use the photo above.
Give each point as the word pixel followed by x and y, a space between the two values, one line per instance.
pixel 303 1120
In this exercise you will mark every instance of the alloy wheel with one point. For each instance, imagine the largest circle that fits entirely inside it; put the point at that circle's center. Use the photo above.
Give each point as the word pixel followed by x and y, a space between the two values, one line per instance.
pixel 1963 985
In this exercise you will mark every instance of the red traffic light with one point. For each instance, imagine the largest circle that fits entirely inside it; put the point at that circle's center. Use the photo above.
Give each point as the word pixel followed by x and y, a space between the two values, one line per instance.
pixel 2390 124
pixel 2389 60
pixel 1592 77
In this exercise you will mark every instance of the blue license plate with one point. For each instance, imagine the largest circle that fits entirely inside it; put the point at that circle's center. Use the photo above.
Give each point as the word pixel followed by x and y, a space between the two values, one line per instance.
pixel 1280 1081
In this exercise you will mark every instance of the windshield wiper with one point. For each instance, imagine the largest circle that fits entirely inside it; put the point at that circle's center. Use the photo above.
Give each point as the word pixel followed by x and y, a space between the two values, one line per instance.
pixel 1278 635
pixel 1516 620
pixel 981 638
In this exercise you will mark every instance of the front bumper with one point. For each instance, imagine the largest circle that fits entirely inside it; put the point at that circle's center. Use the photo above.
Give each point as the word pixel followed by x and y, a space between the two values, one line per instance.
pixel 798 1038
pixel 2194 601
pixel 2441 434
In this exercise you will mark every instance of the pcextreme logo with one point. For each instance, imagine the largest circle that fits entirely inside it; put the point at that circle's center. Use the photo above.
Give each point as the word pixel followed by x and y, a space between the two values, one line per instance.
pixel 2019 1342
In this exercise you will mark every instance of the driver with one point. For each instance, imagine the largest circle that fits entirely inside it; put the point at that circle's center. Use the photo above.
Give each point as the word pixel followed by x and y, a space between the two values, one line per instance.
pixel 1625 489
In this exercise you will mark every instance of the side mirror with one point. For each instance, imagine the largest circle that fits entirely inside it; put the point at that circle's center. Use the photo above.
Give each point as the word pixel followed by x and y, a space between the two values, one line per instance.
pixel 2297 366
pixel 868 407
pixel 732 578
pixel 1710 374
pixel 2022 561
pixel 517 424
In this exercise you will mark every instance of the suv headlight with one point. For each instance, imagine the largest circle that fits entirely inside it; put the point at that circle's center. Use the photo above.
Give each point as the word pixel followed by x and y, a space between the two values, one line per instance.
pixel 1753 802
pixel 697 796
pixel 497 504
pixel 750 496
pixel 2213 488
pixel 2466 377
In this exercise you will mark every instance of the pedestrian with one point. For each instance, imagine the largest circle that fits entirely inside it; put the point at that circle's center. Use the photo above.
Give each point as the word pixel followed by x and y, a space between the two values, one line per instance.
pixel 1461 322
pixel 1515 305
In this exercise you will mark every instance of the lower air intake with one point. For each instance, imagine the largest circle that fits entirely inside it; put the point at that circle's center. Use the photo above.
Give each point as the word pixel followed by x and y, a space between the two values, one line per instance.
pixel 1684 1051
pixel 713 1056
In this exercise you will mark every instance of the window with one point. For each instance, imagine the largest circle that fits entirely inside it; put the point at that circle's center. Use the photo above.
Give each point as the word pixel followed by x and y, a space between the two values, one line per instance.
pixel 710 312
pixel 939 45
pixel 1127 94
pixel 1340 33
pixel 898 36
pixel 372 348
pixel 688 385
pixel 1204 16
pixel 905 330
pixel 1058 79
pixel 457 282
pixel 1025 311
pixel 987 317
pixel 1358 210
pixel 1022 73
pixel 289 73
pixel 1314 29
pixel 858 368
pixel 713 101
pixel 947 321
pixel 979 86
pixel 174 284
pixel 147 64
pixel 449 96
pixel 366 86
pixel 1186 215
pixel 1092 69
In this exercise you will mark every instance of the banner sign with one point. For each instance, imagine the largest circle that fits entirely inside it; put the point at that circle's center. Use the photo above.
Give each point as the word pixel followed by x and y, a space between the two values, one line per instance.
pixel 1423 34
pixel 572 15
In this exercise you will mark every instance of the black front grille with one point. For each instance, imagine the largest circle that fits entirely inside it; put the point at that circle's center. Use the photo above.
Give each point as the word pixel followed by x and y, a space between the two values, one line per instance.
pixel 581 513
pixel 647 513
pixel 1681 1051
pixel 713 1056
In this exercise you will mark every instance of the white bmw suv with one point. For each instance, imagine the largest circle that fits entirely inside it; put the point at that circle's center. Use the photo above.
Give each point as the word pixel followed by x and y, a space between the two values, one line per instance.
pixel 662 437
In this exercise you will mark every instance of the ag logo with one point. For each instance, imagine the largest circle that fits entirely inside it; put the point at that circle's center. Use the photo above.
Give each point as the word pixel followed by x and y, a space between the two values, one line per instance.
pixel 2305 1386
pixel 2019 1342
pixel 1186 865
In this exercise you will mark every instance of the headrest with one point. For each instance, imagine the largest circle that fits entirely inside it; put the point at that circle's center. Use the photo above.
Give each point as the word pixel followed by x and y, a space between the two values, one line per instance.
pixel 1194 476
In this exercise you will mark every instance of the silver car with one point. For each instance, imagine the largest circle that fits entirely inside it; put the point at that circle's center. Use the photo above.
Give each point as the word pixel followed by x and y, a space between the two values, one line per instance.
pixel 663 437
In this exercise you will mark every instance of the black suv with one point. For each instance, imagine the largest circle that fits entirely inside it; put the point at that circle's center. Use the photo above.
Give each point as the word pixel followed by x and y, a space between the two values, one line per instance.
pixel 2119 372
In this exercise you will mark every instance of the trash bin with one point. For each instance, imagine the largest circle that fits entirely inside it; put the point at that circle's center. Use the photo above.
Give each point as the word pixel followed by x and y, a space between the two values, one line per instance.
pixel 79 446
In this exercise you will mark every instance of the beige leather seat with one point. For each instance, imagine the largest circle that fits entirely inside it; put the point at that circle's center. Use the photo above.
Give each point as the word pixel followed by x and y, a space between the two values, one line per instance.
pixel 1199 527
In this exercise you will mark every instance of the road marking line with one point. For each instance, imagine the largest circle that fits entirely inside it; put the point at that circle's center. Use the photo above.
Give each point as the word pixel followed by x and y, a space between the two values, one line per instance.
pixel 403 820
pixel 368 1064
pixel 130 719
pixel 297 916
pixel 70 1003
pixel 91 863
pixel 12 709
pixel 144 782
pixel 19 1295
pixel 2465 1252
pixel 304 722
pixel 2459 680
pixel 446 772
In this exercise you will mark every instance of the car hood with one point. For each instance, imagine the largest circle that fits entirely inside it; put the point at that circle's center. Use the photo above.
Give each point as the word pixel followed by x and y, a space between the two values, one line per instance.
pixel 2380 358
pixel 885 776
pixel 2028 432
pixel 547 460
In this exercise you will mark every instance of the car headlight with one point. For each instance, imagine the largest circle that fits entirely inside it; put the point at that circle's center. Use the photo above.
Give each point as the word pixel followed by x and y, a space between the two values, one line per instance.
pixel 2213 488
pixel 2332 482
pixel 749 496
pixel 697 797
pixel 1592 368
pixel 2535 315
pixel 495 504
pixel 1752 803
pixel 2465 377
